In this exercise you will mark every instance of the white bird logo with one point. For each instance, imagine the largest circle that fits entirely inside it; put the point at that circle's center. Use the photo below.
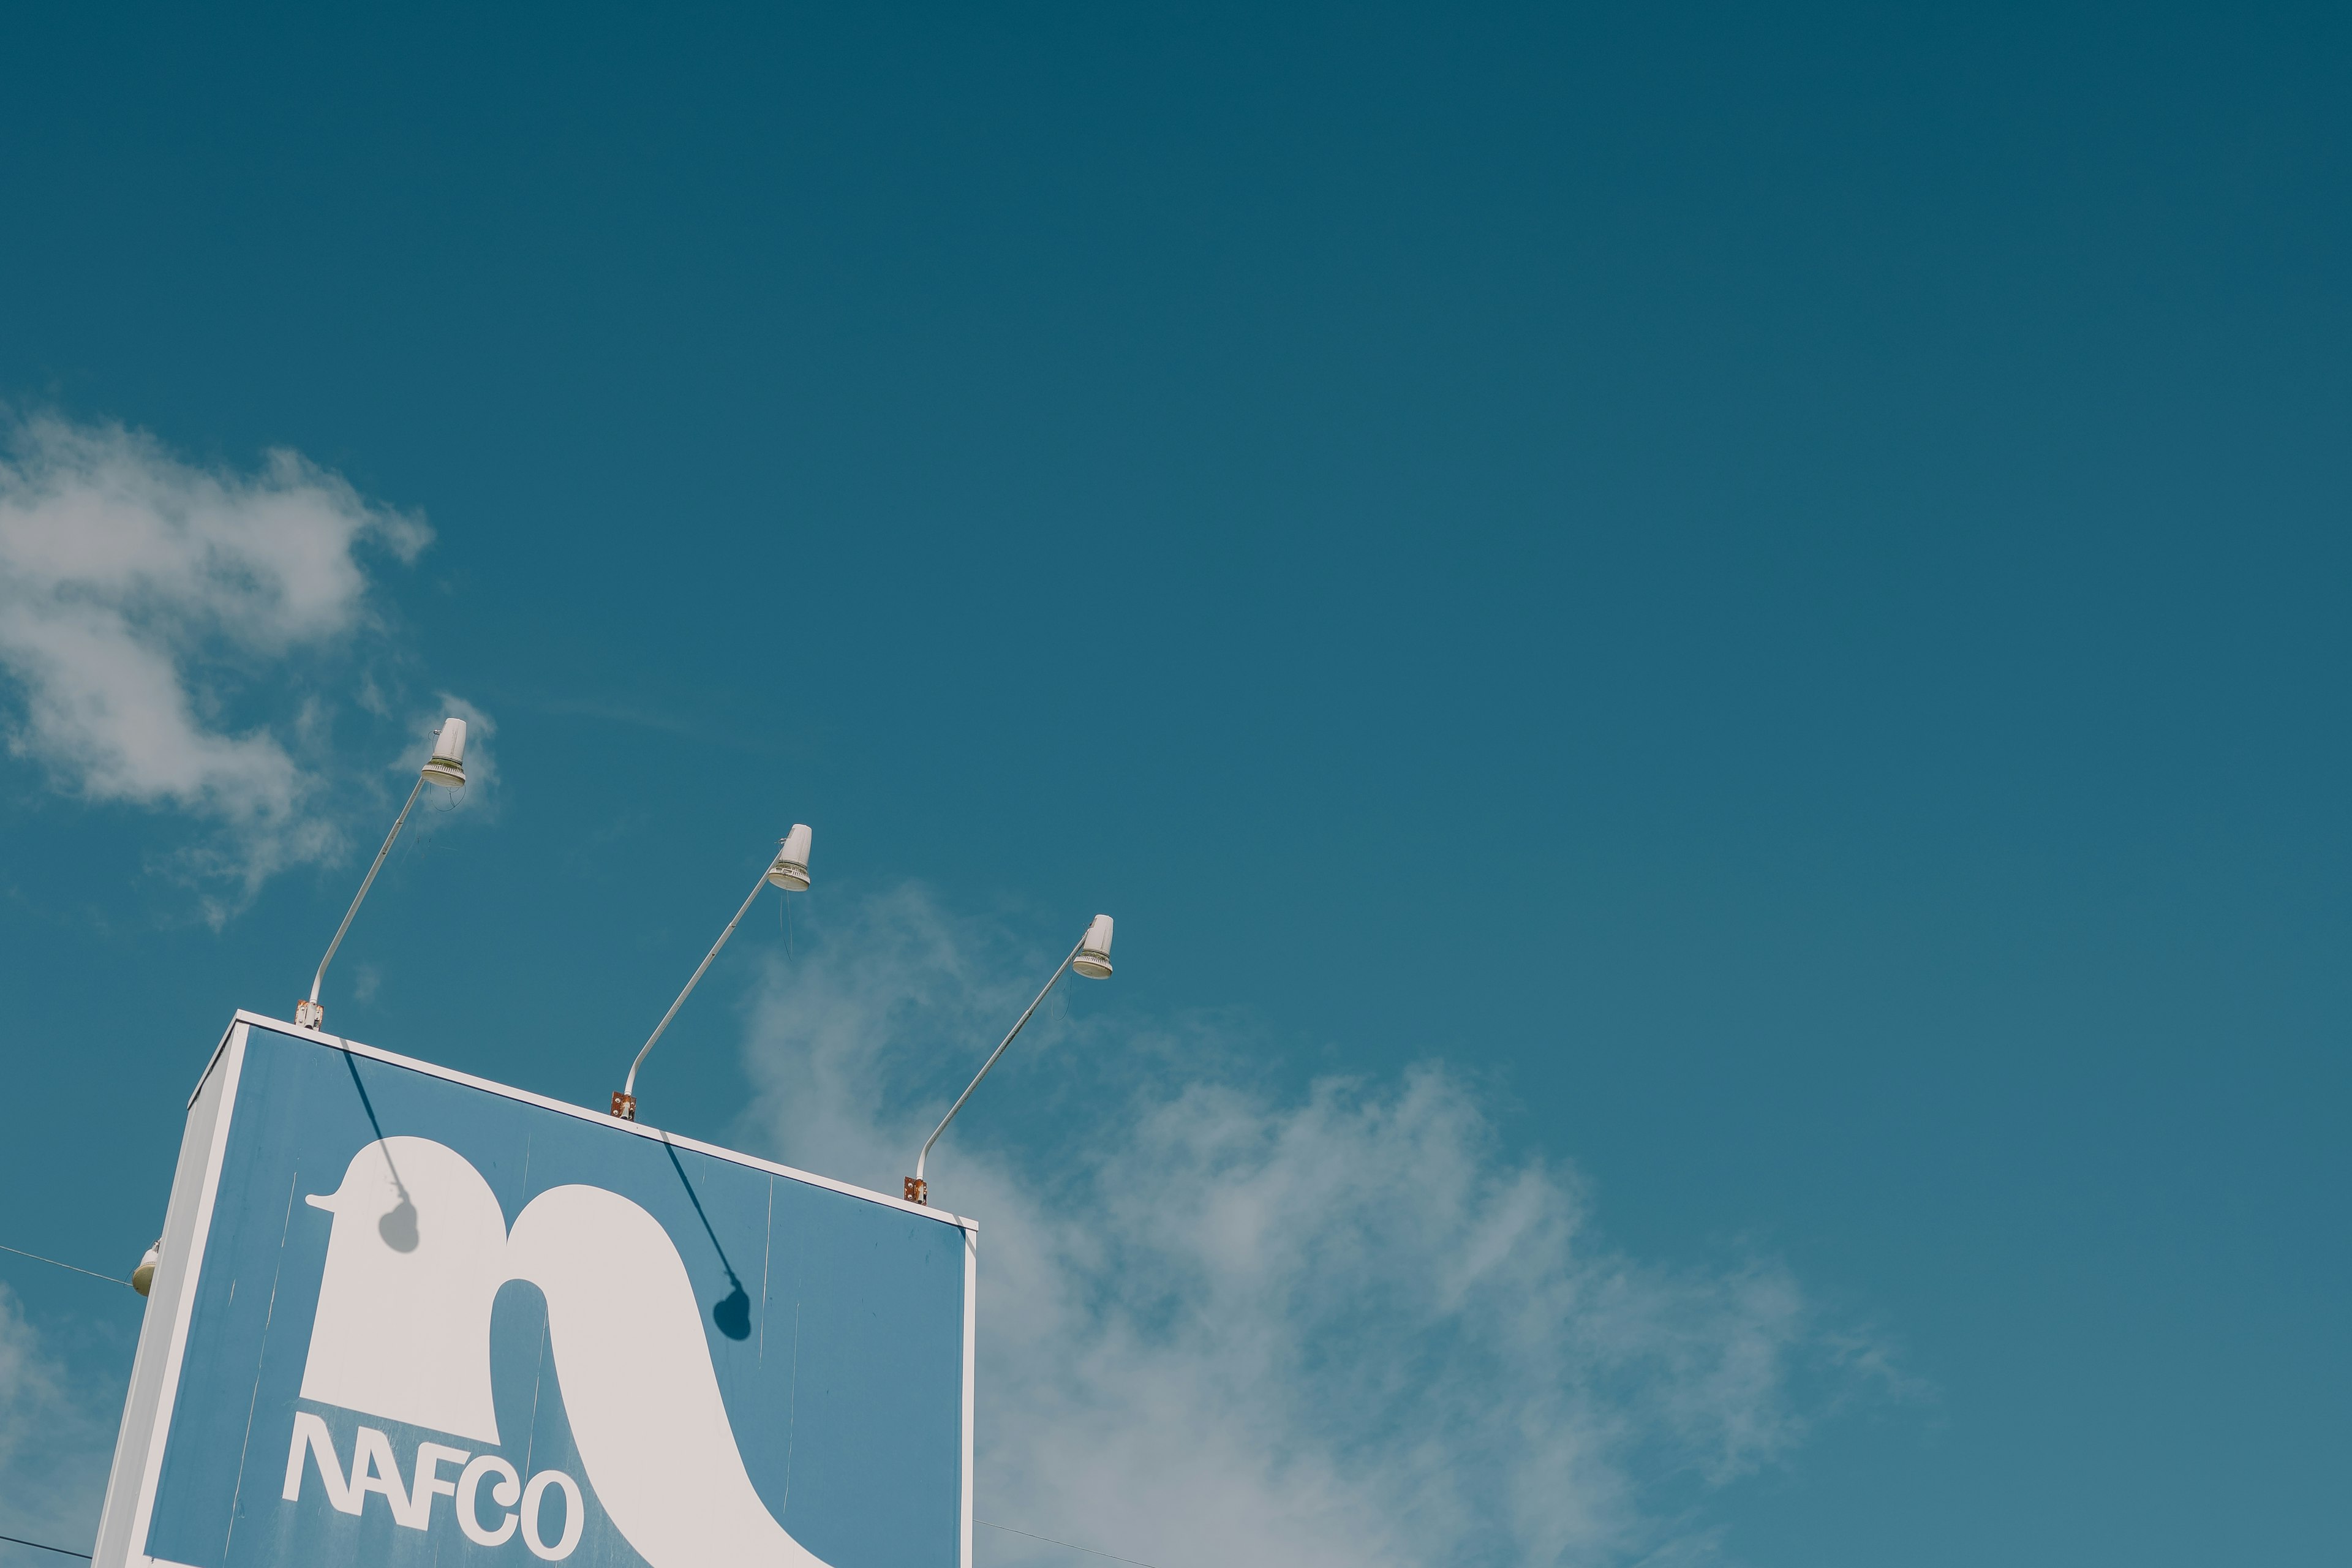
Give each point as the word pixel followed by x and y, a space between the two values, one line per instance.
pixel 419 1248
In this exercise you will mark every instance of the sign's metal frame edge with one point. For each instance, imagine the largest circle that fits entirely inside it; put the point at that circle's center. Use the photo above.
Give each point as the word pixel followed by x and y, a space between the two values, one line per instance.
pixel 582 1114
pixel 176 1273
pixel 184 1262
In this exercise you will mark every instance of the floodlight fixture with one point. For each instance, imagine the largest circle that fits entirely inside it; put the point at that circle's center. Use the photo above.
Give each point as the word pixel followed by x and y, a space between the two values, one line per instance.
pixel 1090 958
pixel 789 871
pixel 1093 959
pixel 446 768
pixel 142 1279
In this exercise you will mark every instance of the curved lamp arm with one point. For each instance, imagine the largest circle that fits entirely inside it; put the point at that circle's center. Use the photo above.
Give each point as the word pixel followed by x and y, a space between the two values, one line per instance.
pixel 918 1190
pixel 309 1015
pixel 444 766
pixel 624 1101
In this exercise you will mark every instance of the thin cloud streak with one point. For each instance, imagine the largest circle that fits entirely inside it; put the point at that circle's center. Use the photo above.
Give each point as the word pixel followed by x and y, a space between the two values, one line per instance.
pixel 1225 1324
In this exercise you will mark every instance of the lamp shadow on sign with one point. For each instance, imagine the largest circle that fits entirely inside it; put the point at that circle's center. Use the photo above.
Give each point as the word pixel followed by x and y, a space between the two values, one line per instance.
pixel 732 1312
pixel 398 1227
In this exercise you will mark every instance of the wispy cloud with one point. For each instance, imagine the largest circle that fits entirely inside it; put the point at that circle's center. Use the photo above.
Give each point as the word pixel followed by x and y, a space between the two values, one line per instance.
pixel 155 621
pixel 1221 1323
pixel 54 1442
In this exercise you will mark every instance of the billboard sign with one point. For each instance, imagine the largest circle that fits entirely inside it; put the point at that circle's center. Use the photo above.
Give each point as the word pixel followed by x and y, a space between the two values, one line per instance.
pixel 408 1317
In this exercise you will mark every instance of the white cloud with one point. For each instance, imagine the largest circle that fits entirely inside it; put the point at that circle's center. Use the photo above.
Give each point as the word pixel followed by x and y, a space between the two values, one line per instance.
pixel 1219 1323
pixel 1222 1324
pixel 53 1443
pixel 138 595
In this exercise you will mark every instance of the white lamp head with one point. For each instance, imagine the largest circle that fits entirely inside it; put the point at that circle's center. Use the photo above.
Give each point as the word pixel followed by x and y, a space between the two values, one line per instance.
pixel 448 765
pixel 1093 953
pixel 790 870
pixel 143 1277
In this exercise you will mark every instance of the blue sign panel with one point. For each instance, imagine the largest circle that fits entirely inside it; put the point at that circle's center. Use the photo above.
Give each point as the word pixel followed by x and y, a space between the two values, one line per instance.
pixel 404 1316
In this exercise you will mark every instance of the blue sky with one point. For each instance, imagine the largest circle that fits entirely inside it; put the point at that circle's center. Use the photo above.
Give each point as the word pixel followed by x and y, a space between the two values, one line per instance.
pixel 1701 653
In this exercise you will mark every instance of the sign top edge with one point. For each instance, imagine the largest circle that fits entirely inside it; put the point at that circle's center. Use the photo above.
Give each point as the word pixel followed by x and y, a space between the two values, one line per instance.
pixel 674 1140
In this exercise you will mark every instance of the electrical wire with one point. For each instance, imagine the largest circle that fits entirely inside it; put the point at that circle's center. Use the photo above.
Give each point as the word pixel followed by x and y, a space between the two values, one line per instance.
pixel 42 1545
pixel 77 1268
pixel 1071 1544
pixel 18 1540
